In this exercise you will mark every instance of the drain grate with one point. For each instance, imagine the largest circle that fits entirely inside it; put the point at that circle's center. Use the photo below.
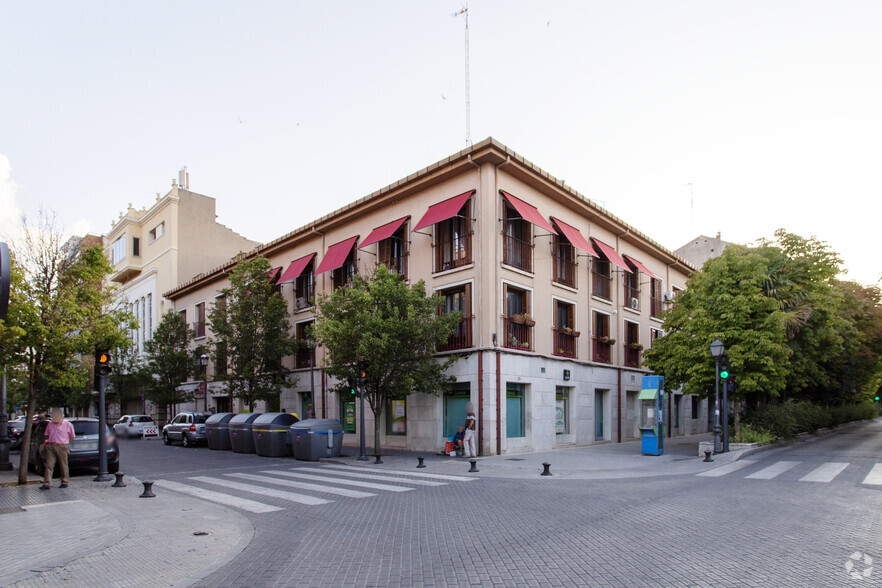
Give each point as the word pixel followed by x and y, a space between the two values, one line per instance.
pixel 200 533
pixel 515 459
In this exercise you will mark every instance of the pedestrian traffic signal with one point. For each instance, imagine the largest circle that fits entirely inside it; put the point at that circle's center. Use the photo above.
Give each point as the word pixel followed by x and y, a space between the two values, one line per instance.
pixel 102 362
pixel 724 366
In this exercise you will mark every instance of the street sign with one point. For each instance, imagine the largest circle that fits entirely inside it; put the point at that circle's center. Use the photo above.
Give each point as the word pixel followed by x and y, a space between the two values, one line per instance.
pixel 202 386
pixel 5 279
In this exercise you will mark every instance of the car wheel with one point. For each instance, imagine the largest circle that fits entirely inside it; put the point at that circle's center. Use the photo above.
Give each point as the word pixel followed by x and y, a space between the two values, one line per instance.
pixel 112 468
pixel 165 438
pixel 185 441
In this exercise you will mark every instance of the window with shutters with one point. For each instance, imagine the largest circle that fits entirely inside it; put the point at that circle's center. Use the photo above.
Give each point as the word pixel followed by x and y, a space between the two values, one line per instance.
pixel 518 323
pixel 458 299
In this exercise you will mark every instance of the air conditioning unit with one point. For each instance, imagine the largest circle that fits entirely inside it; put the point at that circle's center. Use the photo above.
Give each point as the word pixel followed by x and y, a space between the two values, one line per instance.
pixel 635 304
pixel 669 296
pixel 300 303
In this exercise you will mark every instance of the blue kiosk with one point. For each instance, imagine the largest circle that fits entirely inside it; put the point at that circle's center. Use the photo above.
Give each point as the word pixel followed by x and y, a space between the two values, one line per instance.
pixel 652 422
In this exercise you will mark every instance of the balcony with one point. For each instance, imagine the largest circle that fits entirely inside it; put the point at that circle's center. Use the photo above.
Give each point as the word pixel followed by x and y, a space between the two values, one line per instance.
pixel 632 354
pixel 305 356
pixel 517 253
pixel 302 302
pixel 655 307
pixel 461 338
pixel 396 265
pixel 632 297
pixel 602 349
pixel 602 287
pixel 565 341
pixel 564 271
pixel 518 334
pixel 453 253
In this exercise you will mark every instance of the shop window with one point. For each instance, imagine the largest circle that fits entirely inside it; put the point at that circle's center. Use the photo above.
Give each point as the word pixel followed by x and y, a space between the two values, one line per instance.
pixel 562 411
pixel 396 417
pixel 515 410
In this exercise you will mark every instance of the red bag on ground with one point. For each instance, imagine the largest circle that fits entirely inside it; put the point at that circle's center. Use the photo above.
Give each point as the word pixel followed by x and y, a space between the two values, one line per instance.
pixel 449 448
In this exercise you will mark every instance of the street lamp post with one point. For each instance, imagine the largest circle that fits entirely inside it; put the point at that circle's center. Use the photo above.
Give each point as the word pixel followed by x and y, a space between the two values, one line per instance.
pixel 716 349
pixel 310 342
pixel 203 361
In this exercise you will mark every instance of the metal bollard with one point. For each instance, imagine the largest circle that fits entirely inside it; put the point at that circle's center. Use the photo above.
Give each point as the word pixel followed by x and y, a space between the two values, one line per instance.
pixel 547 470
pixel 707 456
pixel 474 468
pixel 119 481
pixel 421 464
pixel 148 490
pixel 378 460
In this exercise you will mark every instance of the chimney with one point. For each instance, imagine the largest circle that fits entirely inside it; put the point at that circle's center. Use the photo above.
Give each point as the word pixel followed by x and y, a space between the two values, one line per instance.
pixel 184 178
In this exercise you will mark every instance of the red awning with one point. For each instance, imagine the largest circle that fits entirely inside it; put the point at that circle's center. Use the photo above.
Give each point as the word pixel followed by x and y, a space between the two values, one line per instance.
pixel 274 273
pixel 443 210
pixel 528 211
pixel 639 265
pixel 383 232
pixel 336 255
pixel 296 268
pixel 574 237
pixel 611 254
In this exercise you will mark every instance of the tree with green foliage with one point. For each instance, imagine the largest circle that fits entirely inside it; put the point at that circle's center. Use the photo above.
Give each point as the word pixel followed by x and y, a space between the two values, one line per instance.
pixel 128 378
pixel 13 333
pixel 250 328
pixel 725 300
pixel 69 311
pixel 168 362
pixel 394 328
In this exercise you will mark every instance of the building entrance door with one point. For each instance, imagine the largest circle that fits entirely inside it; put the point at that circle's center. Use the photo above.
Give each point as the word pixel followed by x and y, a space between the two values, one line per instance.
pixel 598 416
pixel 223 403
pixel 454 413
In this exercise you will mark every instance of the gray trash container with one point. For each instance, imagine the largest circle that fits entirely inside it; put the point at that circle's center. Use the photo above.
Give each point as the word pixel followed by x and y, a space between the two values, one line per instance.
pixel 241 439
pixel 217 430
pixel 270 432
pixel 313 439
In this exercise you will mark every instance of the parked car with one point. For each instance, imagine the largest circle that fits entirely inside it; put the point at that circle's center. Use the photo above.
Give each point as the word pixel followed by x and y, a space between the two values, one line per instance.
pixel 136 425
pixel 83 449
pixel 16 430
pixel 186 427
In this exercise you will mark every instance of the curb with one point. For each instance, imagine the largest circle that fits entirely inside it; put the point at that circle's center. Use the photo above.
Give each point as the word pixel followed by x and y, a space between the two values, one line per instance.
pixel 801 438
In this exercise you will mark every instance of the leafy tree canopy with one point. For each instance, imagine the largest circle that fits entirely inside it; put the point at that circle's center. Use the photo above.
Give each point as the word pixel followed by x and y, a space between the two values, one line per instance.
pixel 168 360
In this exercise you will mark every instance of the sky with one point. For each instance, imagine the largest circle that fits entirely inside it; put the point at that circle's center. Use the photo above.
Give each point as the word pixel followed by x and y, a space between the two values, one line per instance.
pixel 681 117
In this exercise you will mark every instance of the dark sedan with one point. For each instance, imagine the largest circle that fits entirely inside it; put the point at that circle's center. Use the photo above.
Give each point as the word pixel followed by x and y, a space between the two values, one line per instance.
pixel 83 449
pixel 16 430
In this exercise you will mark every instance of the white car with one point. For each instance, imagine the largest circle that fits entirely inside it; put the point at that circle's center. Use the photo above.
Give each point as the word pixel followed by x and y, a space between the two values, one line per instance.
pixel 136 425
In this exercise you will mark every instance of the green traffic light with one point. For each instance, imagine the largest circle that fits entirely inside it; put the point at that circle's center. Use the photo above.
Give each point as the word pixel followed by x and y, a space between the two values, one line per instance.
pixel 724 374
pixel 877 399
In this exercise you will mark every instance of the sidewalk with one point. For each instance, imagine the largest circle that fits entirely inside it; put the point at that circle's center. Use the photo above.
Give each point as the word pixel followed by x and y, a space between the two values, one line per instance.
pixel 593 462
pixel 96 535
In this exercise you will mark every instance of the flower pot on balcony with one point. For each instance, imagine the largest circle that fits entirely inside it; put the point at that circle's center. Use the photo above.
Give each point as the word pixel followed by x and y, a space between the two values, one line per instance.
pixel 529 322
pixel 517 319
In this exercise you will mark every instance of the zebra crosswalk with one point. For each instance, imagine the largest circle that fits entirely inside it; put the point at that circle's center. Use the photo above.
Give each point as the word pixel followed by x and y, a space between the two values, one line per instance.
pixel 823 473
pixel 315 486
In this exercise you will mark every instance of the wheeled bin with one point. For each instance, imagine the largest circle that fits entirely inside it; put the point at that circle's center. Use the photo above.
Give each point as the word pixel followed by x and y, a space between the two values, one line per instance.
pixel 217 431
pixel 270 432
pixel 241 439
pixel 314 439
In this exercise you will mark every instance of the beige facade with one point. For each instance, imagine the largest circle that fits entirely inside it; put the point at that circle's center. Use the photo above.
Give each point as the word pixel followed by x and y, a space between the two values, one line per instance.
pixel 551 340
pixel 156 248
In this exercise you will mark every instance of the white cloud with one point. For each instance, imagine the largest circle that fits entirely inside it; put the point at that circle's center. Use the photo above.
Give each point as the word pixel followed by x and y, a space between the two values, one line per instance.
pixel 10 214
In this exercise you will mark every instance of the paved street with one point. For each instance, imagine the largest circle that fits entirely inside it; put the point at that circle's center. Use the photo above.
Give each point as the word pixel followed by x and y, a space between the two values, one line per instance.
pixel 789 516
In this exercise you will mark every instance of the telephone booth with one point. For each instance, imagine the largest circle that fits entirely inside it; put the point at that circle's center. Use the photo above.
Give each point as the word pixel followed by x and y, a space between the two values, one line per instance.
pixel 652 422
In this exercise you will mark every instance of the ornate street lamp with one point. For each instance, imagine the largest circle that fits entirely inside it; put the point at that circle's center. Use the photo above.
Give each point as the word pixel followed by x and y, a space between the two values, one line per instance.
pixel 716 349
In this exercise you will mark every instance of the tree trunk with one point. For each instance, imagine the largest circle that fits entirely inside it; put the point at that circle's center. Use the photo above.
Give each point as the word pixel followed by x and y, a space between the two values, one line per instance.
pixel 26 436
pixel 378 412
pixel 737 411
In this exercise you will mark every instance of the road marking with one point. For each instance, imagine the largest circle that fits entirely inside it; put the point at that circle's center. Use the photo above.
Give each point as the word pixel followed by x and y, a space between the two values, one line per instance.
pixel 374 477
pixel 400 473
pixel 727 469
pixel 773 470
pixel 338 481
pixel 875 476
pixel 271 492
pixel 304 486
pixel 825 473
pixel 220 498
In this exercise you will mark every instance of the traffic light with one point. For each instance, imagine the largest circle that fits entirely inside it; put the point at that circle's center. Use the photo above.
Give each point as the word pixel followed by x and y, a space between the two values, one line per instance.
pixel 724 366
pixel 102 362
pixel 362 371
pixel 353 387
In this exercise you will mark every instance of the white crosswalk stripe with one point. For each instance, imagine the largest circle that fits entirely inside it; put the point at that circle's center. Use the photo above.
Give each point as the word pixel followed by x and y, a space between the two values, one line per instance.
pixel 403 473
pixel 875 476
pixel 773 470
pixel 304 486
pixel 372 485
pixel 825 473
pixel 727 469
pixel 374 477
pixel 271 492
pixel 219 497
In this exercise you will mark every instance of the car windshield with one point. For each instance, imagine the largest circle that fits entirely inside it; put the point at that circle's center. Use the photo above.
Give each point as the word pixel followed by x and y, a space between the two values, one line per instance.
pixel 85 428
pixel 200 418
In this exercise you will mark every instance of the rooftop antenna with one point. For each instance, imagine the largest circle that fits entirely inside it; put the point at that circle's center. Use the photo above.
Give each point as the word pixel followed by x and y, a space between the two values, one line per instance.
pixel 468 123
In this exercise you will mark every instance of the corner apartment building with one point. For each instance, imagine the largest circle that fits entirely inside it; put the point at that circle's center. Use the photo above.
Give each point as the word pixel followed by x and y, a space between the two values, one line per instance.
pixel 558 298
pixel 155 249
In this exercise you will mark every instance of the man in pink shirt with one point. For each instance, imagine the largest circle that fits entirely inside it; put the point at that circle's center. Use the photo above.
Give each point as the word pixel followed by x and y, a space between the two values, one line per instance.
pixel 59 434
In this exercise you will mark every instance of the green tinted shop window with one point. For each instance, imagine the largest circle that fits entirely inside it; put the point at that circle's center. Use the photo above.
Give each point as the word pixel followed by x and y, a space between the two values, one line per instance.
pixel 455 401
pixel 514 410
pixel 562 411
pixel 396 417
pixel 347 412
